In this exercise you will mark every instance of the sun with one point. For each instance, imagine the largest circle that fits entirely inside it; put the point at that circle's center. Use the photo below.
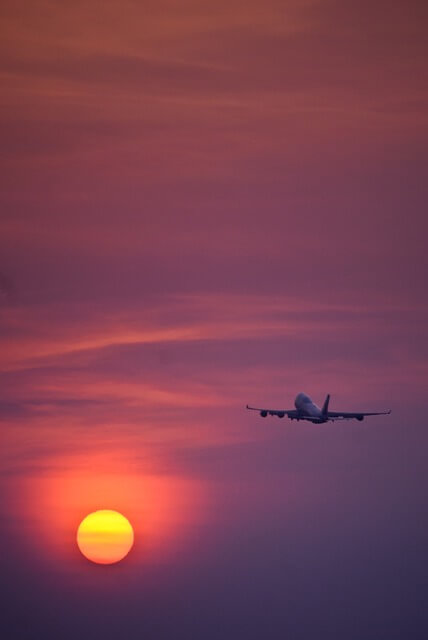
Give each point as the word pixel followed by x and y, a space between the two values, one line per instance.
pixel 105 536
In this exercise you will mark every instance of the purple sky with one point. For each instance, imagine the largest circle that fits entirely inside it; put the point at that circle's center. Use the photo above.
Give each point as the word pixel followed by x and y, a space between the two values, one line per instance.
pixel 204 205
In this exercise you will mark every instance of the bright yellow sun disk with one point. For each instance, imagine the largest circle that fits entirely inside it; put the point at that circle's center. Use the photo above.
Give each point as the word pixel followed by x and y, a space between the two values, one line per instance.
pixel 105 536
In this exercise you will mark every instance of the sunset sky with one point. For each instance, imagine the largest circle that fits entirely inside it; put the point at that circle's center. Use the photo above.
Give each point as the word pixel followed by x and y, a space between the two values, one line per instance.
pixel 206 204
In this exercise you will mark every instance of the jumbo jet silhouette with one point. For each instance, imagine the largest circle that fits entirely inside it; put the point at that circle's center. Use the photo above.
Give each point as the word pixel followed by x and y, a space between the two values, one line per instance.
pixel 307 410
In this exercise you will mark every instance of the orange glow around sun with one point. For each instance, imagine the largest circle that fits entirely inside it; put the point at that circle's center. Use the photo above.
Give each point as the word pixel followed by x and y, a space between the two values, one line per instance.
pixel 162 508
pixel 105 536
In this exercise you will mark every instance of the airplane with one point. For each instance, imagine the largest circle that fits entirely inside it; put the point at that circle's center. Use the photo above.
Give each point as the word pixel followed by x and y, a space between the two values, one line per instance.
pixel 307 410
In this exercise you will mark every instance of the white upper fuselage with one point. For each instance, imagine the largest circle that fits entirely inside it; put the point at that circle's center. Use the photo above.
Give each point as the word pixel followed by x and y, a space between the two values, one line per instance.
pixel 306 407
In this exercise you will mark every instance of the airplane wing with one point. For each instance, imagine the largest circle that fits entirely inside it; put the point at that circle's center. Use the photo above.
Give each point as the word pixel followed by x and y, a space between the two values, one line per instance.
pixel 290 413
pixel 346 415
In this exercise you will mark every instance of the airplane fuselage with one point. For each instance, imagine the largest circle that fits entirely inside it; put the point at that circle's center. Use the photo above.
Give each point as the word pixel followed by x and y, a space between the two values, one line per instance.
pixel 307 409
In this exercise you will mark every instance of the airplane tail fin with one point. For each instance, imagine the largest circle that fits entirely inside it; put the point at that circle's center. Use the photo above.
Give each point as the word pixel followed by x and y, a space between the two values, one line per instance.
pixel 324 410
